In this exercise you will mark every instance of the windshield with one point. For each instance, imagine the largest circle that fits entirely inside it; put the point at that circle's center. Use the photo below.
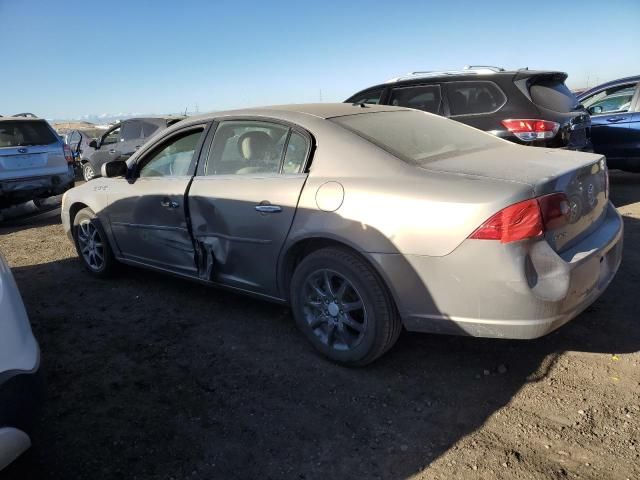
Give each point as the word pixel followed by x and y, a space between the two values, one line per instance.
pixel 417 137
pixel 21 133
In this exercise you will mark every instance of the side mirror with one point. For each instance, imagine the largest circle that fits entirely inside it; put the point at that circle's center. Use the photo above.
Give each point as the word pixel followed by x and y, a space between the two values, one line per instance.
pixel 595 110
pixel 93 143
pixel 114 168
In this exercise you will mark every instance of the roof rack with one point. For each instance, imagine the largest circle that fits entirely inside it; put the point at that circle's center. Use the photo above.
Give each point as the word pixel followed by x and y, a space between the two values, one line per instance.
pixel 25 115
pixel 484 67
pixel 468 69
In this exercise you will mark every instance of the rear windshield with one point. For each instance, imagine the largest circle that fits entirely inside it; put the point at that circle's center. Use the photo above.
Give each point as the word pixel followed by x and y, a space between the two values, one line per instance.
pixel 417 137
pixel 21 133
pixel 553 95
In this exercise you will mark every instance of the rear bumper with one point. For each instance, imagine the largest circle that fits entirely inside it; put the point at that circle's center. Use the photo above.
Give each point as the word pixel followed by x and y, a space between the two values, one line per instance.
pixel 522 290
pixel 20 402
pixel 20 190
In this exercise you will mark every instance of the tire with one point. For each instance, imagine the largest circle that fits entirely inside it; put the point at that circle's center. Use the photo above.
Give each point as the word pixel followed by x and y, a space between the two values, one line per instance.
pixel 329 321
pixel 97 257
pixel 88 173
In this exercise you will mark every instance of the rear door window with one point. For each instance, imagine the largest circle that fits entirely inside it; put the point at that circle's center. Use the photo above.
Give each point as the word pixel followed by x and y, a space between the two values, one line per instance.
pixel 553 95
pixel 248 147
pixel 475 97
pixel 131 130
pixel 420 97
pixel 370 97
pixel 24 133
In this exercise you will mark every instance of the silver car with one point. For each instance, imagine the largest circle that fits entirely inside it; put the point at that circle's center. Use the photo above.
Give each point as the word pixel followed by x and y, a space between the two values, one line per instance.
pixel 364 219
pixel 35 163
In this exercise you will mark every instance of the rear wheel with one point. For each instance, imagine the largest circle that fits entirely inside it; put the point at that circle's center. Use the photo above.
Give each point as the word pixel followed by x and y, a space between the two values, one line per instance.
pixel 91 243
pixel 343 307
pixel 88 173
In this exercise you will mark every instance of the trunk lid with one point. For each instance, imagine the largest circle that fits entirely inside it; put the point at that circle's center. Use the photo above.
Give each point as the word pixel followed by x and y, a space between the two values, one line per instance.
pixel 582 177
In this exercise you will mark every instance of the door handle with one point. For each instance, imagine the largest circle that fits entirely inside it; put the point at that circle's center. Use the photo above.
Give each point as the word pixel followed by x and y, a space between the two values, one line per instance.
pixel 167 203
pixel 616 119
pixel 268 208
pixel 112 151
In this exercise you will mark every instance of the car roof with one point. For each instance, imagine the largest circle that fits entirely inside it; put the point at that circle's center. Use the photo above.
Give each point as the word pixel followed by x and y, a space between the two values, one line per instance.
pixel 466 75
pixel 290 112
pixel 612 83
pixel 156 117
pixel 22 119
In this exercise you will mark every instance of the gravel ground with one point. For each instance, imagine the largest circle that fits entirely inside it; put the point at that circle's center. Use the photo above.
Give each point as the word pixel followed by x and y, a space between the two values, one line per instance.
pixel 148 376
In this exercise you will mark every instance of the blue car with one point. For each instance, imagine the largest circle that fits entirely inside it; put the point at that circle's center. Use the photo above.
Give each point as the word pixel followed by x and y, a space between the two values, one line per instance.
pixel 615 121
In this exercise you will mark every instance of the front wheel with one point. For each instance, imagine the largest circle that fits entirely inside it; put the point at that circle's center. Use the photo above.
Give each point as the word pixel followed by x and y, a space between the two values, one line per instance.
pixel 88 173
pixel 343 307
pixel 92 244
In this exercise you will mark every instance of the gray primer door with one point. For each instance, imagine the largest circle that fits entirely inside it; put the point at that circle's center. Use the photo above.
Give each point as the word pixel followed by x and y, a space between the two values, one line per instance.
pixel 243 203
pixel 148 216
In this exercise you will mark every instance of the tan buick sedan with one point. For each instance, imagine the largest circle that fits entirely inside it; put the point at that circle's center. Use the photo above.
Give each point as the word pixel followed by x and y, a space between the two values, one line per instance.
pixel 364 219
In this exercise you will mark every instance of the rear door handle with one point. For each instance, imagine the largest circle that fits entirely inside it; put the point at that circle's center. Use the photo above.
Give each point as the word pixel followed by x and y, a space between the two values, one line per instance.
pixel 167 203
pixel 112 151
pixel 616 119
pixel 268 208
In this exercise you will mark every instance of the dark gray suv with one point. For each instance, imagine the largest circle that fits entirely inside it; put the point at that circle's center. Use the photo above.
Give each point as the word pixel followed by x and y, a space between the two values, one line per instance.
pixel 120 141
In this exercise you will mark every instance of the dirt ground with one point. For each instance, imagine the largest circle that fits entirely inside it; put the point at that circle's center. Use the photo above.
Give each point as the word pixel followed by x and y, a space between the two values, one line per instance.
pixel 152 377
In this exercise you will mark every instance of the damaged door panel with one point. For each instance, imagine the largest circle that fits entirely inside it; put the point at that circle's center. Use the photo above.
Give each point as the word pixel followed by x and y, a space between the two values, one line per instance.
pixel 149 224
pixel 239 225
pixel 148 214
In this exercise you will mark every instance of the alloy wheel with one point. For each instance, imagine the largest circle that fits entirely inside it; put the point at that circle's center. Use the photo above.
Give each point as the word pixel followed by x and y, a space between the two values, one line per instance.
pixel 91 245
pixel 87 172
pixel 334 310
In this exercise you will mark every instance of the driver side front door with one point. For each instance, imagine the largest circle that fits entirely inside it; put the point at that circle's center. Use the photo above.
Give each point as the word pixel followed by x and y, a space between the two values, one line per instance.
pixel 147 213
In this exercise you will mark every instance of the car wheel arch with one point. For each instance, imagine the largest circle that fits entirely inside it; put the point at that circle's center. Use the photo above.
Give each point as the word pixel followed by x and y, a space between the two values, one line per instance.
pixel 74 209
pixel 299 249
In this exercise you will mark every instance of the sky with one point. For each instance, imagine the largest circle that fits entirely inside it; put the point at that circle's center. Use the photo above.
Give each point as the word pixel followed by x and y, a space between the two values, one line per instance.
pixel 69 59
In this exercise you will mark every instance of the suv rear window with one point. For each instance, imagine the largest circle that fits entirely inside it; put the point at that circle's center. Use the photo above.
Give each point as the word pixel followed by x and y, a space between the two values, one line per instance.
pixel 553 95
pixel 468 98
pixel 22 133
pixel 417 137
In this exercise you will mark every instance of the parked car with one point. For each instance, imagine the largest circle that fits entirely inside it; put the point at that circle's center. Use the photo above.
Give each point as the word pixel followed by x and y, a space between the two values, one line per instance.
pixel 19 364
pixel 120 141
pixel 34 161
pixel 524 106
pixel 615 119
pixel 364 219
pixel 78 141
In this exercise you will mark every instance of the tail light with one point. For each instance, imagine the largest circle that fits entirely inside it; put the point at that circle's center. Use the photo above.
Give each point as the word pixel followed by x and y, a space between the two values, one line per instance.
pixel 530 130
pixel 525 220
pixel 67 154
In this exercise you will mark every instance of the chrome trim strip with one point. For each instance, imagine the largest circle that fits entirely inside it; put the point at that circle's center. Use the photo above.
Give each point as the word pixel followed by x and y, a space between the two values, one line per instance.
pixel 231 238
pixel 150 227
